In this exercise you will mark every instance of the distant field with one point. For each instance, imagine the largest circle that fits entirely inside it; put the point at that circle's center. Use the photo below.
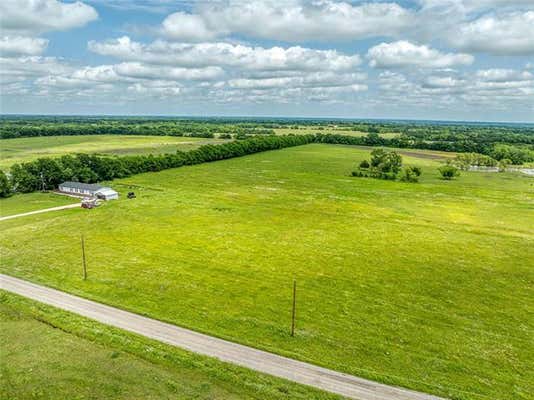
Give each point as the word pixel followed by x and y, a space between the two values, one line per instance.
pixel 86 360
pixel 305 130
pixel 27 149
pixel 426 285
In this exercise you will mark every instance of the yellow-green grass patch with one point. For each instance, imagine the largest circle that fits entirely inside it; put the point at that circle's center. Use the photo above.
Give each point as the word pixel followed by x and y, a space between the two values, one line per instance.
pixel 22 203
pixel 51 354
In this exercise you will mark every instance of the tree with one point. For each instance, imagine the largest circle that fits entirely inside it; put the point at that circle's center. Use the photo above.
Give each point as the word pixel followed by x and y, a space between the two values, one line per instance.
pixel 5 185
pixel 386 161
pixel 49 173
pixel 22 180
pixel 377 155
pixel 364 164
pixel 373 139
pixel 448 171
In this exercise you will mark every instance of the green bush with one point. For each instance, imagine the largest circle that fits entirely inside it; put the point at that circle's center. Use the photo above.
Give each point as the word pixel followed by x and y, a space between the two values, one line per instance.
pixel 364 164
pixel 448 172
pixel 410 174
pixel 360 174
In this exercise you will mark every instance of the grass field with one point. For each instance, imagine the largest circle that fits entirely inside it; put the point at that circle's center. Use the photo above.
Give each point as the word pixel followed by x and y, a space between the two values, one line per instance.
pixel 423 285
pixel 50 354
pixel 26 149
pixel 22 203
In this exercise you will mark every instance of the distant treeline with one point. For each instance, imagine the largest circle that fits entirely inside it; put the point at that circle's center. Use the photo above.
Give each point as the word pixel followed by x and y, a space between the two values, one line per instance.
pixel 12 129
pixel 516 154
pixel 509 141
pixel 48 173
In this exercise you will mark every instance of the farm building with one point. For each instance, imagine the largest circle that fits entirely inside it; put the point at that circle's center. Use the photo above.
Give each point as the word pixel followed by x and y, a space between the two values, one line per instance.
pixel 88 189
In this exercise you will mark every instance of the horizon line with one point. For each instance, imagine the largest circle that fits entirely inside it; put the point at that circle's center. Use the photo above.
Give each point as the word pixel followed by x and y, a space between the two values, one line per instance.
pixel 403 119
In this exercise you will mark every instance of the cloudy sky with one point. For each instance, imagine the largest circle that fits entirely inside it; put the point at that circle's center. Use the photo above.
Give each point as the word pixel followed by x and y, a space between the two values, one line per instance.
pixel 423 59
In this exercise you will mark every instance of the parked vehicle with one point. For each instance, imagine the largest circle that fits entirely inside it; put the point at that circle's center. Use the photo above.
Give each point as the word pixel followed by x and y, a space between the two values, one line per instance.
pixel 91 202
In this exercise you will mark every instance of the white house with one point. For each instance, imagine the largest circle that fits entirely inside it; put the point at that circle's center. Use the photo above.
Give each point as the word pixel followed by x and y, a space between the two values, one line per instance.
pixel 88 189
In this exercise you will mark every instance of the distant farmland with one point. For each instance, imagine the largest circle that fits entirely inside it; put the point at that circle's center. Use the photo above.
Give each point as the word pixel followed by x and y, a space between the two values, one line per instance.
pixel 27 149
pixel 425 285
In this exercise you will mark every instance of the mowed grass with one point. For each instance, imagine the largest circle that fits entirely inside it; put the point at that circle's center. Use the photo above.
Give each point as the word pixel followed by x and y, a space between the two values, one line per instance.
pixel 51 354
pixel 427 286
pixel 22 203
pixel 27 149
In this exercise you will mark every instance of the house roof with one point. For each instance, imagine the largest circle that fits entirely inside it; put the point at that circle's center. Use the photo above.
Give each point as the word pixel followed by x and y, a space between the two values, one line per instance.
pixel 80 185
pixel 107 191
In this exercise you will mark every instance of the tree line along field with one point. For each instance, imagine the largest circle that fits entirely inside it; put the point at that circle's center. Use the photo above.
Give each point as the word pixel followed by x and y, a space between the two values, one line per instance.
pixel 422 285
pixel 30 148
pixel 514 142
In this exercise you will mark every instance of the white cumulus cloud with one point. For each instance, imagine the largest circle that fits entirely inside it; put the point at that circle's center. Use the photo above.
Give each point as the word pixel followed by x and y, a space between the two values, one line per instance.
pixel 27 17
pixel 226 55
pixel 503 75
pixel 22 46
pixel 406 54
pixel 501 34
pixel 188 28
pixel 290 20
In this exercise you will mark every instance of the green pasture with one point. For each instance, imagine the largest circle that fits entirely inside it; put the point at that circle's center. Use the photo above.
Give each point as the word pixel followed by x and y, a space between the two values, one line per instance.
pixel 21 203
pixel 51 354
pixel 427 285
pixel 27 149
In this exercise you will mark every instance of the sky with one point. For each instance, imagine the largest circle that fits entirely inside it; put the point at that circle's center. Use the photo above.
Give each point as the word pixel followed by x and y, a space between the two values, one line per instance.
pixel 463 60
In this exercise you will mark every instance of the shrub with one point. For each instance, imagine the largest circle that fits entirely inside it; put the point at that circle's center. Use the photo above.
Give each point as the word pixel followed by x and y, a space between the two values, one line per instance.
pixel 388 176
pixel 503 164
pixel 364 164
pixel 466 160
pixel 411 174
pixel 448 171
pixel 360 174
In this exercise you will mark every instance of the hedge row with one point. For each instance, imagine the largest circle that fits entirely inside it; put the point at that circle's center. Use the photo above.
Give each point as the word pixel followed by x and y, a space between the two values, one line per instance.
pixel 48 173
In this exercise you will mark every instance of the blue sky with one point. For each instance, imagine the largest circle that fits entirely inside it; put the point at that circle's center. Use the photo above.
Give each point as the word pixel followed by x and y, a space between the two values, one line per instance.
pixel 419 59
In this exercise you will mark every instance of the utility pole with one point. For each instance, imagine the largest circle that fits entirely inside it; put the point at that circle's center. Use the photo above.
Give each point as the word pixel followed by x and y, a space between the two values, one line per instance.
pixel 294 311
pixel 83 260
